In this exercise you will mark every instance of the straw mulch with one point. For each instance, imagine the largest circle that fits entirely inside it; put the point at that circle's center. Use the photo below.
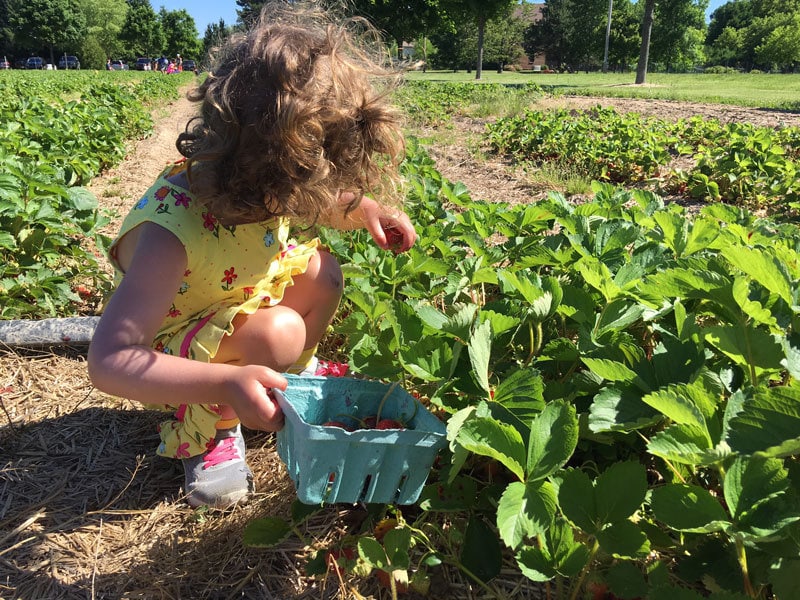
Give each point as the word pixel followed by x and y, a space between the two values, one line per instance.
pixel 88 511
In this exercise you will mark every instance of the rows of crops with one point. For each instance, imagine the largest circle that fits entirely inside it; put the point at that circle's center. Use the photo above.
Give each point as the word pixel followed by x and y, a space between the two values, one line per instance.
pixel 619 344
pixel 59 130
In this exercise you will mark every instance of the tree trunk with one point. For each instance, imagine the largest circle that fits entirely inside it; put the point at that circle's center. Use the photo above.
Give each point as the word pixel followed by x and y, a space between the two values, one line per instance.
pixel 608 35
pixel 481 27
pixel 644 53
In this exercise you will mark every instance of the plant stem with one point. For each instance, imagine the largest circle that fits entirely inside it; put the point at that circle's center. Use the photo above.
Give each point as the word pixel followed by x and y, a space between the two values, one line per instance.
pixel 383 400
pixel 578 584
pixel 741 556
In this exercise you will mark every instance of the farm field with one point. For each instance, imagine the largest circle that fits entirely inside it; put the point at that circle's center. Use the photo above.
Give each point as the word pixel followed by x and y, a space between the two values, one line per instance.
pixel 86 510
pixel 759 90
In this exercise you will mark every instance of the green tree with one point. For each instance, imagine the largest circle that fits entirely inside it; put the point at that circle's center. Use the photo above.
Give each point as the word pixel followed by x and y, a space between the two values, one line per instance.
pixel 248 10
pixel 625 40
pixel 180 32
pixel 675 39
pixel 51 24
pixel 781 46
pixel 726 47
pixel 402 20
pixel 104 21
pixel 480 11
pixel 215 34
pixel 142 34
pixel 571 33
pixel 504 35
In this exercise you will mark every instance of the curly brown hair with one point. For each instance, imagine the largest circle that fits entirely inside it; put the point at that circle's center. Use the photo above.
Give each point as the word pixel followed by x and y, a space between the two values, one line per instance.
pixel 293 112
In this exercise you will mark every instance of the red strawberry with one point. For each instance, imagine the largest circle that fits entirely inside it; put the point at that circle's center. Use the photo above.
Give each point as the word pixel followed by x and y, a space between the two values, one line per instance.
pixel 369 422
pixel 389 424
pixel 394 239
pixel 338 424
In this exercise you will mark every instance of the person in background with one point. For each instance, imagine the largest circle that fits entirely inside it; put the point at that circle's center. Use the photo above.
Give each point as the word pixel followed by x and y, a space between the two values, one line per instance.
pixel 214 299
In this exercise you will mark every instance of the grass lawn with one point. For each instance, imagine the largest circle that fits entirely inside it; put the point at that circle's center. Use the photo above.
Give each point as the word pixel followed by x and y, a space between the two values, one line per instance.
pixel 742 89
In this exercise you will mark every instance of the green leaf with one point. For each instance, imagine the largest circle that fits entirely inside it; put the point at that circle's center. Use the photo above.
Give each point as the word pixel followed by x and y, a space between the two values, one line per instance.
pixel 396 542
pixel 480 348
pixel 428 358
pixel 371 552
pixel 686 444
pixel 548 452
pixel 610 370
pixel 481 553
pixel 598 276
pixel 487 437
pixel 522 392
pixel 616 316
pixel 763 267
pixel 81 199
pixel 623 539
pixel 615 409
pixel 577 500
pixel 688 508
pixel 746 346
pixel 626 580
pixel 266 532
pixel 750 481
pixel 559 554
pixel 768 423
pixel 525 510
pixel 612 506
pixel 678 404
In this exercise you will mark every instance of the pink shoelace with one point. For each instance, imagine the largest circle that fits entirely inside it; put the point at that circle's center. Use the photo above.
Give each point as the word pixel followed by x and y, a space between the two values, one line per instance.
pixel 224 451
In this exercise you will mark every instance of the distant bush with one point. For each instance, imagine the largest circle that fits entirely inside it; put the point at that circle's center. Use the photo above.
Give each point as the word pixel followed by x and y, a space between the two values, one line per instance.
pixel 719 70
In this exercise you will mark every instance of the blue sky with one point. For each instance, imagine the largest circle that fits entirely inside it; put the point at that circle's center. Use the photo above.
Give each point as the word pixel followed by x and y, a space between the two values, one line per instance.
pixel 203 12
pixel 211 11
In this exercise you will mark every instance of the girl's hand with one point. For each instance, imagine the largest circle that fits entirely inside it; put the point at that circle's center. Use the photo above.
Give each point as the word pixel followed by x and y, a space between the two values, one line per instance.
pixel 251 399
pixel 391 229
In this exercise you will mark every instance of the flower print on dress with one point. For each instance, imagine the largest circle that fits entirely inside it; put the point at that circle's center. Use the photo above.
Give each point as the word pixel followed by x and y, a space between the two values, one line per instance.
pixel 228 279
pixel 183 451
pixel 162 193
pixel 181 199
pixel 142 203
pixel 269 238
pixel 210 223
pixel 173 312
pixel 184 288
pixel 247 292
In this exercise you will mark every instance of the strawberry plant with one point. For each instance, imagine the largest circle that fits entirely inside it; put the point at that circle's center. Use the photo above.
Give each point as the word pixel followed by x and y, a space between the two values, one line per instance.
pixel 58 133
pixel 631 348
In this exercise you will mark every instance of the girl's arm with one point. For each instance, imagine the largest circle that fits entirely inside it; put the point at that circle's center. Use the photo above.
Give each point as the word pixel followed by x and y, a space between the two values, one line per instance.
pixel 390 227
pixel 122 362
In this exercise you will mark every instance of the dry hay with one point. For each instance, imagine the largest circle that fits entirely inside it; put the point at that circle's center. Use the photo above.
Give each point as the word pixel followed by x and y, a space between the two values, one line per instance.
pixel 88 510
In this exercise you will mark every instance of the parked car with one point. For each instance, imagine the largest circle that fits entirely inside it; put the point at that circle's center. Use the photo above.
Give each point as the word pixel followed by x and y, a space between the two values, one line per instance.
pixel 189 65
pixel 35 62
pixel 20 63
pixel 69 62
pixel 142 64
pixel 119 65
pixel 4 64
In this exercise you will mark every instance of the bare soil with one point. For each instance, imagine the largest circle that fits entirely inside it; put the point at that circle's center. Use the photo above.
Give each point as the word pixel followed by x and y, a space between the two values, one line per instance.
pixel 88 511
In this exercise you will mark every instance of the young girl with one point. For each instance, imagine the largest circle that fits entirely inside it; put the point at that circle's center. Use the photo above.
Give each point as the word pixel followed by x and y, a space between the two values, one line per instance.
pixel 213 300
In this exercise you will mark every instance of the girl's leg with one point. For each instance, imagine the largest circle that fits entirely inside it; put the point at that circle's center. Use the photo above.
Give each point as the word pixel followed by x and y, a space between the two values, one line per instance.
pixel 315 296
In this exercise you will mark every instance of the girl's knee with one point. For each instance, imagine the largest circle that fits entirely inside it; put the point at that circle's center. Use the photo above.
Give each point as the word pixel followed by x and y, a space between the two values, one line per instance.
pixel 328 273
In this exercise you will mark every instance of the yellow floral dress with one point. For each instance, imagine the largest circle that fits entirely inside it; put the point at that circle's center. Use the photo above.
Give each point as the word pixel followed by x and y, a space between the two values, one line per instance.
pixel 230 270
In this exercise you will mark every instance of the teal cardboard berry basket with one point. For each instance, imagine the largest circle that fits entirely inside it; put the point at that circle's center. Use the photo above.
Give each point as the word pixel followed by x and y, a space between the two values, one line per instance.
pixel 330 464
